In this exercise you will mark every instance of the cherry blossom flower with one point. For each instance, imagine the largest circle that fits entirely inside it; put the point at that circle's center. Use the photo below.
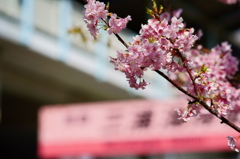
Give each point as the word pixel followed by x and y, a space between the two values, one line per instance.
pixel 153 49
pixel 94 10
pixel 212 82
pixel 192 110
pixel 232 143
pixel 117 24
pixel 177 13
pixel 166 16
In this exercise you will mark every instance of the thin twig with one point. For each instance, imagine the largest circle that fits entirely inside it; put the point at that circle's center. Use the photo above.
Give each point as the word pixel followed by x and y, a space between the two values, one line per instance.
pixel 189 73
pixel 118 37
pixel 121 40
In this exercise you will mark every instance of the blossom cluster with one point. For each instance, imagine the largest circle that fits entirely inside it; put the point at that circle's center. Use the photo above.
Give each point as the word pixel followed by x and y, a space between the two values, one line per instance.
pixel 117 24
pixel 96 11
pixel 164 43
pixel 92 13
pixel 211 71
pixel 157 47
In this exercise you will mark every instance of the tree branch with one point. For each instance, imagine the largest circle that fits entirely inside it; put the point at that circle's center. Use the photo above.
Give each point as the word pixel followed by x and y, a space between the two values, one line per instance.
pixel 118 37
pixel 189 73
pixel 197 99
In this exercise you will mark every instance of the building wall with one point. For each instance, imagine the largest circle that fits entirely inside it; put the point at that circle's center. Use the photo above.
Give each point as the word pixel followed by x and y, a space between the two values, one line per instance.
pixel 40 63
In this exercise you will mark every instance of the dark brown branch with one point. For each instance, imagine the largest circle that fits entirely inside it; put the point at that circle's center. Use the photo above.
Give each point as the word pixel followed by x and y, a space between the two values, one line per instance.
pixel 121 40
pixel 174 84
pixel 189 73
pixel 118 37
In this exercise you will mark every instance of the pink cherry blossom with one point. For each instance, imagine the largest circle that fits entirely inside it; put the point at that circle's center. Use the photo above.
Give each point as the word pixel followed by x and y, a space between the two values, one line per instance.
pixel 177 13
pixel 117 24
pixel 192 110
pixel 94 10
pixel 212 84
pixel 165 44
pixel 232 143
pixel 166 16
pixel 153 49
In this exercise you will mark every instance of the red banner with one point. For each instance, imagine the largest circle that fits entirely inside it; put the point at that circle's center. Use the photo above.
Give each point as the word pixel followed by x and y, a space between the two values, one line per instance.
pixel 127 128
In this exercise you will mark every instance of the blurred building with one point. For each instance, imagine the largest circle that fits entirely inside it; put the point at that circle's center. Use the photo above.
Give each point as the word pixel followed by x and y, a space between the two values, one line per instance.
pixel 40 63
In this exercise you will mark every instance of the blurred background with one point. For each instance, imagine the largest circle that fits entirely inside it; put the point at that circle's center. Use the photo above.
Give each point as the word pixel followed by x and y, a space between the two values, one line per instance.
pixel 42 64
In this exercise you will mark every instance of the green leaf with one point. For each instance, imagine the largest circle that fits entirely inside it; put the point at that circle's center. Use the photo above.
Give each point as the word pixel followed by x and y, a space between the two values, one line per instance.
pixel 107 6
pixel 204 68
pixel 160 9
pixel 149 11
pixel 155 6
